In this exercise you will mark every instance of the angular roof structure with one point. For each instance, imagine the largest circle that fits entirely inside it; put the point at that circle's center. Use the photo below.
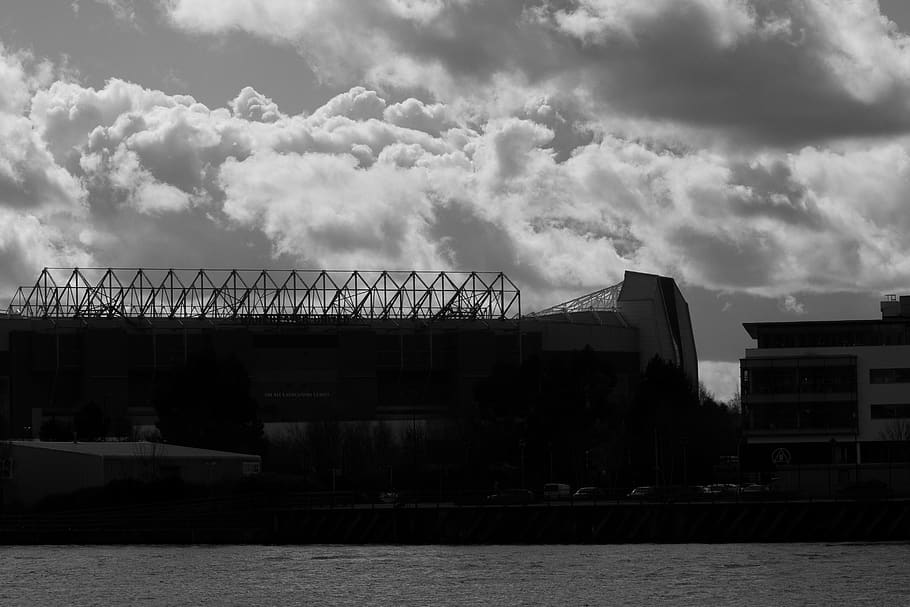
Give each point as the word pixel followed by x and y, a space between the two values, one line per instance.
pixel 605 300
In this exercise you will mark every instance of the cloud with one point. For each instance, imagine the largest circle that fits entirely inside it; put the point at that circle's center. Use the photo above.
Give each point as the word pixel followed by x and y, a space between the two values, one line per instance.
pixel 320 207
pixel 546 191
pixel 39 200
pixel 752 70
pixel 792 305
pixel 721 378
pixel 124 10
pixel 27 244
pixel 250 105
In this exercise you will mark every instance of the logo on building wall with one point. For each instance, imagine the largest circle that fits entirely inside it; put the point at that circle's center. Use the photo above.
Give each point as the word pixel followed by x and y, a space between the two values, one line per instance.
pixel 781 455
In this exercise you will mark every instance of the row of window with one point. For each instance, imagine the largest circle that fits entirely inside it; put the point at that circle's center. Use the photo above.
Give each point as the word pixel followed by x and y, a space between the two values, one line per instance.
pixel 881 335
pixel 898 411
pixel 800 416
pixel 889 376
pixel 798 379
pixel 794 379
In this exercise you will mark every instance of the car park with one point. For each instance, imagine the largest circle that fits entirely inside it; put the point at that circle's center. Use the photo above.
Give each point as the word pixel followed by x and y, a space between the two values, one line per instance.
pixel 644 492
pixel 511 497
pixel 556 491
pixel 389 497
pixel 589 493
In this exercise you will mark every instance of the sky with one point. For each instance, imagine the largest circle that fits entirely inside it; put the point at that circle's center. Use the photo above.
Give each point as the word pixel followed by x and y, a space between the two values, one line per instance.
pixel 756 151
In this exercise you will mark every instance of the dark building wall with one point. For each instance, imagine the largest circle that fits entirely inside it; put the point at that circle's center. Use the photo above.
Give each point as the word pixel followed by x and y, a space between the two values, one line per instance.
pixel 297 373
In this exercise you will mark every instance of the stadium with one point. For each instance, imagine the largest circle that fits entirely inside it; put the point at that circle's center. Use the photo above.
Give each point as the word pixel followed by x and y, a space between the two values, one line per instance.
pixel 347 346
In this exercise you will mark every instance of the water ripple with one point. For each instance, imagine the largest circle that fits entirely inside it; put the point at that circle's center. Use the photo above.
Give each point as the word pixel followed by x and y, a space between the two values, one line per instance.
pixel 694 574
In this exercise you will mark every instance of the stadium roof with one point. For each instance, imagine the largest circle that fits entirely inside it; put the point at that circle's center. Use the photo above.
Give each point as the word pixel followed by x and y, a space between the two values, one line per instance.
pixel 605 300
pixel 266 295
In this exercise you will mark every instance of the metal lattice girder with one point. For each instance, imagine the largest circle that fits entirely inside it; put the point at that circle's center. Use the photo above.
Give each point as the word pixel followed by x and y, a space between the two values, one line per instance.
pixel 601 301
pixel 289 295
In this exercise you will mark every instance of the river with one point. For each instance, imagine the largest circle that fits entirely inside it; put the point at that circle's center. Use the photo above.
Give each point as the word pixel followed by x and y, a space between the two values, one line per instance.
pixel 651 574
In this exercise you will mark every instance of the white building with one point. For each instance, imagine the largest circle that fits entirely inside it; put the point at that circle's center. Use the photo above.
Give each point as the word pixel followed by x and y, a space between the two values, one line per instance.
pixel 826 404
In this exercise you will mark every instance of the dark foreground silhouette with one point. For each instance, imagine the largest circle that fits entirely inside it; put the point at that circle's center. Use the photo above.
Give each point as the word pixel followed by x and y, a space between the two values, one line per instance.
pixel 172 513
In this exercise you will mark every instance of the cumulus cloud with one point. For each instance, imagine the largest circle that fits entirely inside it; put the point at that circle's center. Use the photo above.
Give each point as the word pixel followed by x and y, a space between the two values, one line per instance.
pixel 792 305
pixel 39 200
pixel 560 142
pixel 250 105
pixel 363 182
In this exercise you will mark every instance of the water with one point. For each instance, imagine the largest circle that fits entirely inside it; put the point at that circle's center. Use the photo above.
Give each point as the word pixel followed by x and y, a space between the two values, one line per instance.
pixel 694 574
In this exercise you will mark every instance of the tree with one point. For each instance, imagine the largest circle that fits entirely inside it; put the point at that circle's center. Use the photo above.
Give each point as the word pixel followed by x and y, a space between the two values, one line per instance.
pixel 54 429
pixel 736 401
pixel 208 404
pixel 897 430
pixel 677 432
pixel 90 423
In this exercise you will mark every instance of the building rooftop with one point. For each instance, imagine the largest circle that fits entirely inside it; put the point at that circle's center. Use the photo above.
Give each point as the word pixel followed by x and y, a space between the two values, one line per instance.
pixel 752 328
pixel 124 449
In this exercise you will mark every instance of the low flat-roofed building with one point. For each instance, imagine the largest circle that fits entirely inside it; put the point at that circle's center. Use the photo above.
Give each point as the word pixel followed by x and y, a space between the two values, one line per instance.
pixel 34 470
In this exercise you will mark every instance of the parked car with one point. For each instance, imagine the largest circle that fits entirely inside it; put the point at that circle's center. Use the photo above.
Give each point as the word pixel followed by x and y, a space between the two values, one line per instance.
pixel 643 493
pixel 556 491
pixel 755 490
pixel 589 493
pixel 389 497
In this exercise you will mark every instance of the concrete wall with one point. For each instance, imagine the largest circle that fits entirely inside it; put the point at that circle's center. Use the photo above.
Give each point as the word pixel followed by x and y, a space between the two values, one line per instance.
pixel 832 481
pixel 192 470
pixel 38 473
pixel 358 372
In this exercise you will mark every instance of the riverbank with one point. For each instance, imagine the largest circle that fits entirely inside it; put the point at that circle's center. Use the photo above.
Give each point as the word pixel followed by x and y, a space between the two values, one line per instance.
pixel 255 521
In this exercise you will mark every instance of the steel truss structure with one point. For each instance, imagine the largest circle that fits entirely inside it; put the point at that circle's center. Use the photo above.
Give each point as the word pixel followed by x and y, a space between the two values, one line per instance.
pixel 266 295
pixel 605 300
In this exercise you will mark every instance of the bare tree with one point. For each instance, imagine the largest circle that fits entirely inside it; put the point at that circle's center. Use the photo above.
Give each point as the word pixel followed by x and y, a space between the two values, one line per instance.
pixel 897 430
pixel 736 401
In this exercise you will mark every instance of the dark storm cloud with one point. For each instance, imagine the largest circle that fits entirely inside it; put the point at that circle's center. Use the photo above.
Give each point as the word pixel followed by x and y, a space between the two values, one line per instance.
pixel 473 242
pixel 766 70
pixel 770 191
pixel 748 262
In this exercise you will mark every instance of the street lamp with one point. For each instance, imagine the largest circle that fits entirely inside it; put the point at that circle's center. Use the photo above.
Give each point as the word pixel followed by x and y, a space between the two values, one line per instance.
pixel 833 443
pixel 521 445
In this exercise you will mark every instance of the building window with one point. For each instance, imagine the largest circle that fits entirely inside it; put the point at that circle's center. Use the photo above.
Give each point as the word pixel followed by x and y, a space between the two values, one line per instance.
pixel 803 377
pixel 889 376
pixel 898 411
pixel 801 416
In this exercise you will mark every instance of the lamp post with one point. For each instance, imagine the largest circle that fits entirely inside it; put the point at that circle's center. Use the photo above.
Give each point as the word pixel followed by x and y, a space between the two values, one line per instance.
pixel 587 465
pixel 550 449
pixel 833 443
pixel 685 444
pixel 521 445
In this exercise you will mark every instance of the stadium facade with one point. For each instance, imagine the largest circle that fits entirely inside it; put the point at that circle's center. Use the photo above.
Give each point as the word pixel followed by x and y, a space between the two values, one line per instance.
pixel 316 344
